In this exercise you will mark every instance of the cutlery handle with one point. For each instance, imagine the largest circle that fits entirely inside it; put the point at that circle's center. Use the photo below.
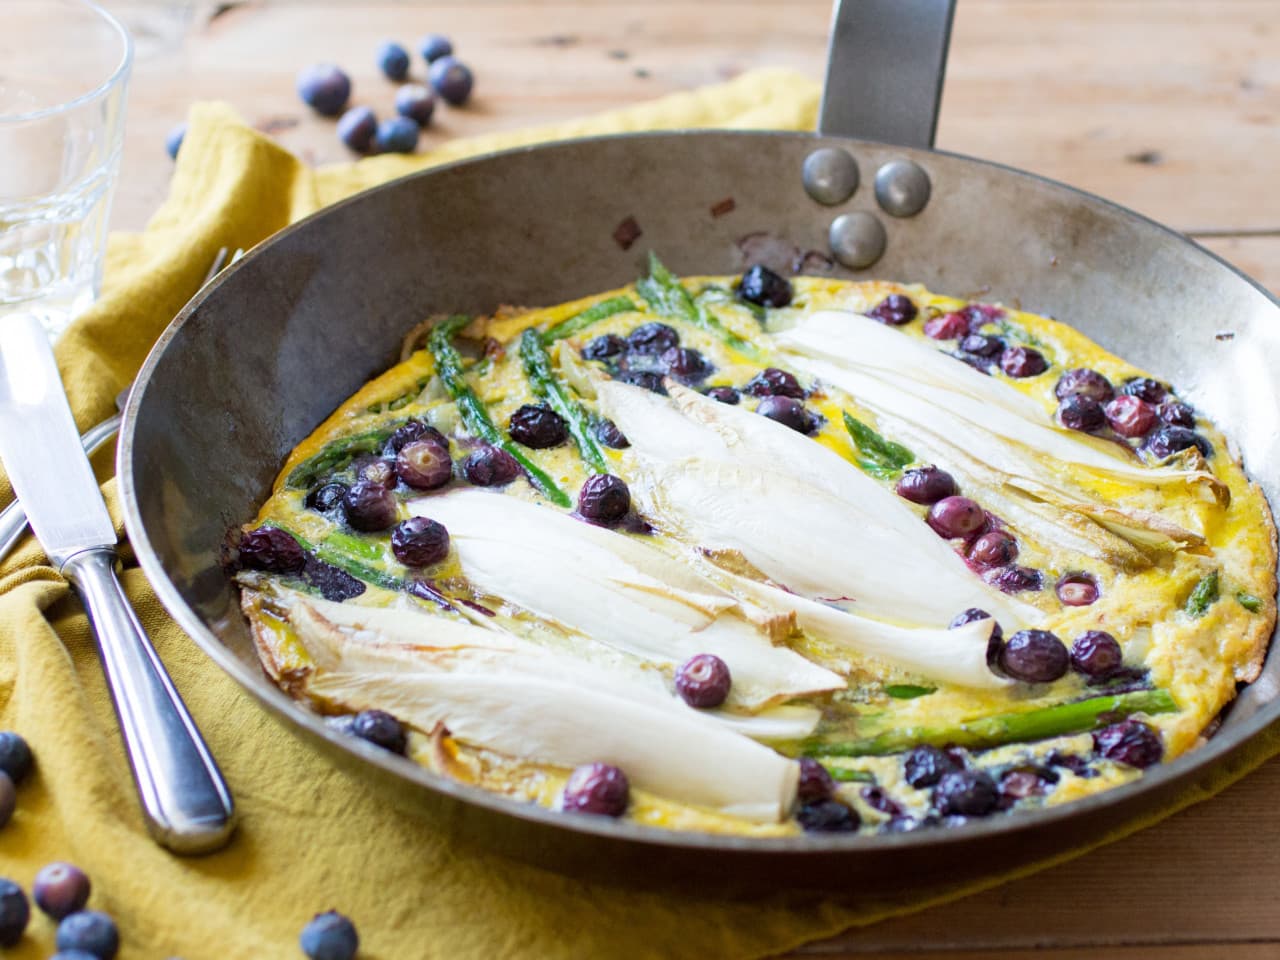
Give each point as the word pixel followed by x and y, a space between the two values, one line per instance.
pixel 185 801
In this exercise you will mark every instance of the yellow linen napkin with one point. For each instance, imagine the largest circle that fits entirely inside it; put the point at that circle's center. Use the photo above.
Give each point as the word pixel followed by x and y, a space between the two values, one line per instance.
pixel 313 837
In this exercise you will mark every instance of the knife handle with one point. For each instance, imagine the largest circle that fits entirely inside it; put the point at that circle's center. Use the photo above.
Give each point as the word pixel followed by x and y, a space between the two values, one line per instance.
pixel 185 801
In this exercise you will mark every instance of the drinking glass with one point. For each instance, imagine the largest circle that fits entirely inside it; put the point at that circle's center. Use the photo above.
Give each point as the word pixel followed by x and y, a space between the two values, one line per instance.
pixel 64 69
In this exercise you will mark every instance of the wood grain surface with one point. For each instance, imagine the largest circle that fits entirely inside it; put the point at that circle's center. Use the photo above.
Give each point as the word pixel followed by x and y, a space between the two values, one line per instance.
pixel 1171 107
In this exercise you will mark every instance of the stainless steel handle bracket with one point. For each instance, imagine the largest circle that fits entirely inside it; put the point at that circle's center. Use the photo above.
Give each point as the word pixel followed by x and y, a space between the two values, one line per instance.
pixel 185 801
pixel 885 68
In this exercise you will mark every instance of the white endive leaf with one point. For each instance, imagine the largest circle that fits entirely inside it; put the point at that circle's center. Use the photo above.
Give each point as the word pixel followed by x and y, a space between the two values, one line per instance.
pixel 616 591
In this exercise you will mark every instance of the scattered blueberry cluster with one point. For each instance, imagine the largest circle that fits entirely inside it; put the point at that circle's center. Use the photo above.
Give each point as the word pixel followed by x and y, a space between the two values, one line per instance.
pixel 1142 410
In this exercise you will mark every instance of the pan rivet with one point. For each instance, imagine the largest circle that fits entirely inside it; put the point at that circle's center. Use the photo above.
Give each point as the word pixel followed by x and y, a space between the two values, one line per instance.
pixel 857 239
pixel 830 175
pixel 902 188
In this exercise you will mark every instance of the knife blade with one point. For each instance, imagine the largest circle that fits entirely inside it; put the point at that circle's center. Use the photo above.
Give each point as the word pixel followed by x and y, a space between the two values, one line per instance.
pixel 186 804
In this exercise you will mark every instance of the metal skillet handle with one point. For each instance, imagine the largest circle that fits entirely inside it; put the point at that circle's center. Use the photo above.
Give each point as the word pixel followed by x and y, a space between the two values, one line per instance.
pixel 185 801
pixel 885 67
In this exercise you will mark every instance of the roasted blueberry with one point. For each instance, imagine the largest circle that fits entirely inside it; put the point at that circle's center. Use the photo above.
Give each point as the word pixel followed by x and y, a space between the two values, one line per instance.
pixel 925 765
pixel 1130 742
pixel 1019 362
pixel 895 309
pixel 597 788
pixel 15 912
pixel 1144 388
pixel 410 431
pixel 948 326
pixel 604 499
pixel 396 135
pixel 452 79
pixel 90 931
pixel 324 88
pixel 1176 414
pixel 1129 416
pixel 424 464
pixel 966 793
pixel 1013 578
pixel 1096 654
pixel 1070 761
pixel 724 395
pixel 60 890
pixel 925 485
pixel 381 729
pixel 827 816
pixel 956 517
pixel 1021 783
pixel 357 128
pixel 877 798
pixel 271 549
pixel 1084 382
pixel 173 141
pixel 653 338
pixel 419 542
pixel 416 102
pixel 815 784
pixel 786 411
pixel 329 936
pixel 379 470
pixel 538 426
pixel 980 345
pixel 643 379
pixel 490 467
pixel 1078 411
pixel 393 60
pixel 1167 440
pixel 434 46
pixel 703 681
pixel 969 616
pixel 1077 589
pixel 685 363
pixel 15 756
pixel 326 497
pixel 604 347
pixel 995 548
pixel 762 286
pixel 1035 656
pixel 772 382
pixel 369 506
pixel 607 432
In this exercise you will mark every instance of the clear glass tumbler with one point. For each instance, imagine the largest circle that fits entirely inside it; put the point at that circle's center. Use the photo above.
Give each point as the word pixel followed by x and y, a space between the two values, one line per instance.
pixel 64 69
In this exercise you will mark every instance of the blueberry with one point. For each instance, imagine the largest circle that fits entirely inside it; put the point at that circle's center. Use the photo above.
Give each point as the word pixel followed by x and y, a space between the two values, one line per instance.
pixel 451 79
pixel 1019 784
pixel 60 890
pixel 966 793
pixel 72 955
pixel 324 88
pixel 326 497
pixel 815 784
pixel 827 816
pixel 379 470
pixel 538 427
pixel 1069 761
pixel 415 102
pixel 996 548
pixel 271 549
pixel 490 467
pixel 724 395
pixel 772 382
pixel 8 799
pixel 424 464
pixel 369 506
pixel 877 798
pixel 1021 362
pixel 410 431
pixel 604 347
pixel 597 788
pixel 15 756
pixel 1096 653
pixel 956 517
pixel 173 141
pixel 969 616
pixel 981 345
pixel 607 432
pixel 419 542
pixel 643 379
pixel 1084 382
pixel 1177 414
pixel 396 135
pixel 1144 388
pixel 1130 742
pixel 381 729
pixel 925 485
pixel 653 338
pixel 434 46
pixel 1167 440
pixel 1078 411
pixel 995 642
pixel 1035 656
pixel 685 363
pixel 1014 579
pixel 1129 416
pixel 894 309
pixel 604 499
pixel 15 912
pixel 357 128
pixel 1077 589
pixel 949 326
pixel 90 931
pixel 762 286
pixel 393 60
pixel 703 681
pixel 329 936
pixel 925 765
pixel 786 411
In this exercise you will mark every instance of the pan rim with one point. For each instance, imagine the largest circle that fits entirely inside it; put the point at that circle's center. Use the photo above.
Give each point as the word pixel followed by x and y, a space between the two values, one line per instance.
pixel 804 845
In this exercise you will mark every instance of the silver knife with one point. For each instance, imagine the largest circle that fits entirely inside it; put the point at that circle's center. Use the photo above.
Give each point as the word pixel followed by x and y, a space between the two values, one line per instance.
pixel 185 801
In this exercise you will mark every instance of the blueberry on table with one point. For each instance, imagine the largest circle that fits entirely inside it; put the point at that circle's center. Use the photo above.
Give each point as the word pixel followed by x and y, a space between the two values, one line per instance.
pixel 324 88
pixel 1129 416
pixel 396 135
pixel 925 485
pixel 895 309
pixel 412 430
pixel 419 542
pixel 60 890
pixel 949 326
pixel 369 506
pixel 724 395
pixel 452 79
pixel 173 140
pixel 1078 411
pixel 827 816
pixel 966 793
pixel 763 287
pixel 604 499
pixel 93 932
pixel 1034 656
pixel 357 128
pixel 786 411
pixel 15 756
pixel 416 102
pixel 1084 382
pixel 1096 654
pixel 954 517
pixel 1144 388
pixel 271 549
pixel 598 788
pixel 490 467
pixel 604 347
pixel 424 464
pixel 329 936
pixel 537 427
pixel 1019 362
pixel 652 338
pixel 381 729
pixel 434 46
pixel 1176 414
pixel 703 681
pixel 15 912
pixel 772 382
pixel 1130 742
pixel 1077 589
pixel 685 363
pixel 995 548
pixel 8 799
pixel 815 783
pixel 1167 440
pixel 393 60
pixel 607 432
pixel 925 765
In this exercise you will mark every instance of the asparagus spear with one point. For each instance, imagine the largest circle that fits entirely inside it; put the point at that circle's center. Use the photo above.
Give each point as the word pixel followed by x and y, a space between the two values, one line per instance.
pixel 1203 596
pixel 339 453
pixel 349 554
pixel 472 408
pixel 664 293
pixel 593 314
pixel 1002 728
pixel 537 367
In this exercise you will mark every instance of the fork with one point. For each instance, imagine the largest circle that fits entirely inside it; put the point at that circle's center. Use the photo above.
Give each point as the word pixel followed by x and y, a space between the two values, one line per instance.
pixel 13 519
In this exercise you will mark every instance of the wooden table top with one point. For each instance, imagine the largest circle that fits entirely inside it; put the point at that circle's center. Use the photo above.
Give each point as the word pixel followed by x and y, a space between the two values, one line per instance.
pixel 1171 107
